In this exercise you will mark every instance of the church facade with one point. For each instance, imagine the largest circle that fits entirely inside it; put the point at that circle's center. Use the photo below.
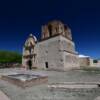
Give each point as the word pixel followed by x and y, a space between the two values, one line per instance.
pixel 54 51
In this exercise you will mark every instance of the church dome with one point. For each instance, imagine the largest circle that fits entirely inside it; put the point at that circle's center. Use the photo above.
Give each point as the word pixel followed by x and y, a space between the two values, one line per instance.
pixel 34 37
pixel 31 41
pixel 55 22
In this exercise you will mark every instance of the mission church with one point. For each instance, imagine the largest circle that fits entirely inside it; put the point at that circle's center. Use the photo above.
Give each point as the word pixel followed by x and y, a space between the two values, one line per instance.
pixel 54 51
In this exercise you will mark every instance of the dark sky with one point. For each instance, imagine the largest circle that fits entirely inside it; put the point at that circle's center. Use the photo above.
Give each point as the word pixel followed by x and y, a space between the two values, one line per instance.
pixel 18 18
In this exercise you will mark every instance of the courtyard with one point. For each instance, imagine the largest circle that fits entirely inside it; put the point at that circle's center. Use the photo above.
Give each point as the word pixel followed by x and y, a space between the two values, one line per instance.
pixel 47 92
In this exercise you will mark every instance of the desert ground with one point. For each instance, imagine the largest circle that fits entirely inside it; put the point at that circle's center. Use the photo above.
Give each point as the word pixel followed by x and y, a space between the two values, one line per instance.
pixel 45 92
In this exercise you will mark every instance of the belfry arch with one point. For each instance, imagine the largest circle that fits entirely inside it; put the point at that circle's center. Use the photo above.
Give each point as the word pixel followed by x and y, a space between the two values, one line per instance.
pixel 50 30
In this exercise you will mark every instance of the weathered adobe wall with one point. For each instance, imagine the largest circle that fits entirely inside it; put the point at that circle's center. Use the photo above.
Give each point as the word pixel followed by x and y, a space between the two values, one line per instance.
pixel 54 28
pixel 56 52
pixel 48 51
pixel 67 45
pixel 84 62
pixel 71 61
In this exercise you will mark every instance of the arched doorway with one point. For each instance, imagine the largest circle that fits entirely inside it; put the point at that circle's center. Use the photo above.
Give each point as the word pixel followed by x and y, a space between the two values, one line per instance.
pixel 29 64
pixel 46 65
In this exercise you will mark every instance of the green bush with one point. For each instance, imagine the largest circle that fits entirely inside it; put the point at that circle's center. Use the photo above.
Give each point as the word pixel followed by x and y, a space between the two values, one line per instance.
pixel 10 57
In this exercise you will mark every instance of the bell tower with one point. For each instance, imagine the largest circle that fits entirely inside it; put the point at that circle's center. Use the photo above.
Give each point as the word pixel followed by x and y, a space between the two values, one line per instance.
pixel 57 49
pixel 28 52
pixel 55 28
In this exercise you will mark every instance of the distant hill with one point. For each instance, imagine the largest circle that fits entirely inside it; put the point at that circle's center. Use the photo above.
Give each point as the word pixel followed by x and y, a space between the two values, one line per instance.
pixel 10 57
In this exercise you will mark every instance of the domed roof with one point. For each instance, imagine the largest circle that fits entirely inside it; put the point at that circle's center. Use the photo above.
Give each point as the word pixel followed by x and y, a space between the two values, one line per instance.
pixel 31 40
pixel 32 36
pixel 53 22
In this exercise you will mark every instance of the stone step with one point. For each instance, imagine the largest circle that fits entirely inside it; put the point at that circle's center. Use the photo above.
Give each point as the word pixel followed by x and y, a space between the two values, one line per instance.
pixel 75 85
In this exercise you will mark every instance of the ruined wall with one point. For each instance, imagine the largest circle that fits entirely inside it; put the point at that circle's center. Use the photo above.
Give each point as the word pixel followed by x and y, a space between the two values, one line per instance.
pixel 84 61
pixel 93 63
pixel 88 62
pixel 67 31
pixel 45 32
pixel 55 28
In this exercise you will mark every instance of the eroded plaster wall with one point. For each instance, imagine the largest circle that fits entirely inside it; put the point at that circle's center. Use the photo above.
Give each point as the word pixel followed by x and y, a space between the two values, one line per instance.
pixel 57 53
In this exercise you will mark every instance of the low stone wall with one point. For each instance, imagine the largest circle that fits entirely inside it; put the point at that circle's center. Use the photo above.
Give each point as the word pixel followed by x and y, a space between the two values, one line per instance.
pixel 73 91
pixel 27 83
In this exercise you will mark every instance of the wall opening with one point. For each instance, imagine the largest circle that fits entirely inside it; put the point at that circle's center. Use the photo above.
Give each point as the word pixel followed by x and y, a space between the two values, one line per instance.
pixel 95 61
pixel 50 30
pixel 29 63
pixel 46 64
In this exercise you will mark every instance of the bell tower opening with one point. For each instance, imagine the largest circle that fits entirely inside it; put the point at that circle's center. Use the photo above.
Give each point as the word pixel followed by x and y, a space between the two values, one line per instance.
pixel 50 30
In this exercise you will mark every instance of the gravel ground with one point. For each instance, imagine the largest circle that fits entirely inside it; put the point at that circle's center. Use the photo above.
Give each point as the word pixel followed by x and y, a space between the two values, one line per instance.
pixel 42 92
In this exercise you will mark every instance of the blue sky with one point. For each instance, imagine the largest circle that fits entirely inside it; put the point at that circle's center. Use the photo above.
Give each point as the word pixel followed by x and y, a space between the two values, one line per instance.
pixel 19 18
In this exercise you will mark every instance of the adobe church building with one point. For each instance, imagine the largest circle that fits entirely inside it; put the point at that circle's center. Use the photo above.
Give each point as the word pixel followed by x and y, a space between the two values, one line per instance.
pixel 54 51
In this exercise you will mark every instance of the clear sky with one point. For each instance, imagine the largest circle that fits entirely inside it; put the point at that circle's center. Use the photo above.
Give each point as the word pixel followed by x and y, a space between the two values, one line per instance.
pixel 18 18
